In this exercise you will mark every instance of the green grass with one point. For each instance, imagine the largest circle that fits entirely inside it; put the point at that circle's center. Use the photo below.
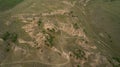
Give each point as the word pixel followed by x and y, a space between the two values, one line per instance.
pixel 8 4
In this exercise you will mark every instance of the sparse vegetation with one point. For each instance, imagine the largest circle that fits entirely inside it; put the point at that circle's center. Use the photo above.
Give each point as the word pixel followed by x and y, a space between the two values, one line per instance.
pixel 49 40
pixel 117 59
pixel 39 23
pixel 13 37
pixel 78 66
pixel 76 26
pixel 79 53
pixel 84 30
pixel 82 38
pixel 7 49
pixel 51 30
pixel 7 36
pixel 109 0
pixel 46 37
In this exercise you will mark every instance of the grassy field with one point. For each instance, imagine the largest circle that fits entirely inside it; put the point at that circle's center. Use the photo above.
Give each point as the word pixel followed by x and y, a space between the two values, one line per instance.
pixel 6 5
pixel 55 33
pixel 106 14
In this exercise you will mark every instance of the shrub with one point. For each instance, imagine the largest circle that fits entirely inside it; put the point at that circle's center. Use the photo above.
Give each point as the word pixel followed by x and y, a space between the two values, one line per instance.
pixel 13 37
pixel 76 26
pixel 39 23
pixel 5 36
pixel 79 53
pixel 10 37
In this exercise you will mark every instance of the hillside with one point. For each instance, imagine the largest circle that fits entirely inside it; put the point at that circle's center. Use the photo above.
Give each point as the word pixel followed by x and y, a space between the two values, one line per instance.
pixel 59 33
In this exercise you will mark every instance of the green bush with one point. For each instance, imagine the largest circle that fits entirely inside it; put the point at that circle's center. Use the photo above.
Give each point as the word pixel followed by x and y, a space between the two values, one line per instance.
pixel 10 37
pixel 78 66
pixel 13 37
pixel 76 26
pixel 117 59
pixel 39 23
pixel 50 40
pixel 5 36
pixel 79 53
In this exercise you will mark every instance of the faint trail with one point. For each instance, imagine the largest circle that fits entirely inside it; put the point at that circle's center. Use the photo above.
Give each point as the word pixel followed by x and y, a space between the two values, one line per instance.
pixel 65 55
pixel 30 61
